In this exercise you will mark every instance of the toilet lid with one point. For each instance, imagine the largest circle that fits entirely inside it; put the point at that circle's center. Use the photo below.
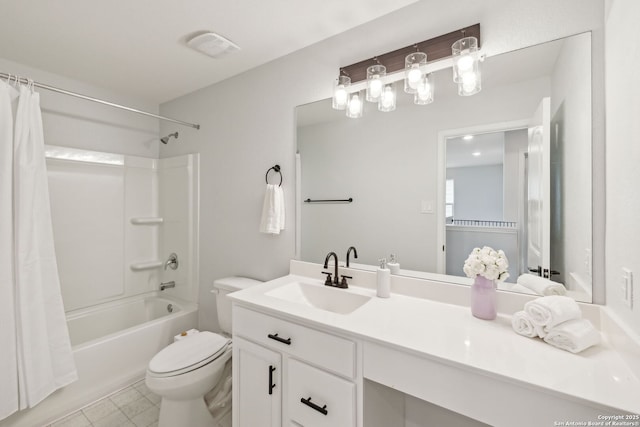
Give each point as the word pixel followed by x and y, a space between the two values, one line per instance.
pixel 188 352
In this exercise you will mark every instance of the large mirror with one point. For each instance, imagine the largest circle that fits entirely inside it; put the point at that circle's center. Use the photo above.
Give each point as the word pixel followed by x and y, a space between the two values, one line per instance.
pixel 509 167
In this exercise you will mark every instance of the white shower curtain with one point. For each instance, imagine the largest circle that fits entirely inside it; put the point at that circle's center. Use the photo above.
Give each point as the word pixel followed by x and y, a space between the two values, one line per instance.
pixel 44 360
pixel 8 360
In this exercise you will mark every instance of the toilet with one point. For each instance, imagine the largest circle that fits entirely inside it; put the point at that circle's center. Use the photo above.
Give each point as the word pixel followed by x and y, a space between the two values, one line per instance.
pixel 185 371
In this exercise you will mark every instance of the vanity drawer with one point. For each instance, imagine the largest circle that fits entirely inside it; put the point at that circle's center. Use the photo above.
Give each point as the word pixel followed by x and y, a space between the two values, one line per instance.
pixel 333 353
pixel 318 398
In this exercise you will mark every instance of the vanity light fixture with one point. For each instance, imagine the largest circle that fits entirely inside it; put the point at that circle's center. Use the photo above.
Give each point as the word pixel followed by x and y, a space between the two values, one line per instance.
pixel 375 77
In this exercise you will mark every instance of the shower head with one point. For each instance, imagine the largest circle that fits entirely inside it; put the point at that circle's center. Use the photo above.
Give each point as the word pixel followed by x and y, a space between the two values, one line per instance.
pixel 165 140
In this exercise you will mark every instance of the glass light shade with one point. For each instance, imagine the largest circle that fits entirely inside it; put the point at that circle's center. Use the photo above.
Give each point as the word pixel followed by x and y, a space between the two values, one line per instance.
pixel 355 105
pixel 465 57
pixel 413 73
pixel 375 73
pixel 470 83
pixel 424 93
pixel 340 94
pixel 387 100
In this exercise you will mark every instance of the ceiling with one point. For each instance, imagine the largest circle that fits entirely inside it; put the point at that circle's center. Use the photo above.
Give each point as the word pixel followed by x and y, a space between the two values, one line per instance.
pixel 139 47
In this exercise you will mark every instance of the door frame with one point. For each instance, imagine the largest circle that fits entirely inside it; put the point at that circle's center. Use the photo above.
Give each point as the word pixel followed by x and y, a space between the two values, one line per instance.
pixel 443 135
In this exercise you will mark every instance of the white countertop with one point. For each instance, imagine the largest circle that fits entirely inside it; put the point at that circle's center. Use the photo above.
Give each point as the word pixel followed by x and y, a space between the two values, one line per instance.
pixel 449 334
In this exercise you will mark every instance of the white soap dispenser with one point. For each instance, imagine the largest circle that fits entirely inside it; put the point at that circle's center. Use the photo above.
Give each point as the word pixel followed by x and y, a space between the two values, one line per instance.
pixel 393 264
pixel 383 275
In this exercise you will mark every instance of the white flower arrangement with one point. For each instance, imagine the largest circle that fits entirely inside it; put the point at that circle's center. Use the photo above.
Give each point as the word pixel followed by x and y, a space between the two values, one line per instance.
pixel 488 263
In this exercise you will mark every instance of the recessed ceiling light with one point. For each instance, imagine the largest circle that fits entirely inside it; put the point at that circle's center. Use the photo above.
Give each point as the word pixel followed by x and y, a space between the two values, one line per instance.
pixel 212 44
pixel 475 153
pixel 467 137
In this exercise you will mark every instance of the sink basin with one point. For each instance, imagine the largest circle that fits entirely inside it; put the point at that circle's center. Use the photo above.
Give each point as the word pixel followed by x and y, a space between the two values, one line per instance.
pixel 325 298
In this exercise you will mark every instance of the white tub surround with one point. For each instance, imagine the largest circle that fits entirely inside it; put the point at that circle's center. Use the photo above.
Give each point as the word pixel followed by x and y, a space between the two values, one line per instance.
pixel 424 342
pixel 116 219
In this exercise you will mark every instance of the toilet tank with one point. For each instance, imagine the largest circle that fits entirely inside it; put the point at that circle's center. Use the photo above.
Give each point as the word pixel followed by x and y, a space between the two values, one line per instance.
pixel 223 287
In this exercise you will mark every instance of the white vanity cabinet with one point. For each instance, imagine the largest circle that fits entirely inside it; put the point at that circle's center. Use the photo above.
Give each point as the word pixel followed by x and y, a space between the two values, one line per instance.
pixel 314 378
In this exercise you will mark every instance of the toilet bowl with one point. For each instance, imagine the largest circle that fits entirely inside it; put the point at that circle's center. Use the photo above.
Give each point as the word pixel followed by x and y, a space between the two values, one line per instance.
pixel 183 372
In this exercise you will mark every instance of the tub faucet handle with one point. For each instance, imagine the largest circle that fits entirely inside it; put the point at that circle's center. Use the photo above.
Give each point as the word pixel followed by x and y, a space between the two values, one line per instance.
pixel 172 262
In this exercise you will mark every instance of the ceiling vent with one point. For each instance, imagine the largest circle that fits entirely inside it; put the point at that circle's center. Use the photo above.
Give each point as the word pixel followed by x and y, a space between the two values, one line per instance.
pixel 213 45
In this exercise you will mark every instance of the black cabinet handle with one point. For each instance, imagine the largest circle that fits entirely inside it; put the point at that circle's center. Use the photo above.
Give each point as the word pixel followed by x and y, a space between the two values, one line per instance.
pixel 312 405
pixel 271 384
pixel 279 339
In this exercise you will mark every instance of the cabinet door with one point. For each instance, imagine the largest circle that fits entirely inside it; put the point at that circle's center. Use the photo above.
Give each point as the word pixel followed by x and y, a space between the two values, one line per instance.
pixel 257 389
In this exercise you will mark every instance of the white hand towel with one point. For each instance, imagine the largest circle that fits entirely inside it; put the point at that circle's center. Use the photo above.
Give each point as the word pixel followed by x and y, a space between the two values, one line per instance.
pixel 521 323
pixel 272 220
pixel 541 286
pixel 550 311
pixel 574 335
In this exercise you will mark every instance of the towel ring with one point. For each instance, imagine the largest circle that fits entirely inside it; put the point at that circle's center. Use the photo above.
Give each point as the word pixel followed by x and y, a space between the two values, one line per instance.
pixel 275 168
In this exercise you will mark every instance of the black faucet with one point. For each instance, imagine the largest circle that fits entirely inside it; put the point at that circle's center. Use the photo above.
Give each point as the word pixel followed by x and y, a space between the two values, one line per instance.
pixel 326 265
pixel 355 253
pixel 336 283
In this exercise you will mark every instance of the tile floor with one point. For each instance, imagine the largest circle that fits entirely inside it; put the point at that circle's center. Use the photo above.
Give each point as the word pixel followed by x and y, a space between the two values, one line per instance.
pixel 134 406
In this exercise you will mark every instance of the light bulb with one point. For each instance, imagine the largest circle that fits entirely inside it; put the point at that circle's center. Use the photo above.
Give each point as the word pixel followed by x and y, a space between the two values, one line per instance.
pixel 465 63
pixel 387 99
pixel 469 82
pixel 354 106
pixel 340 97
pixel 424 90
pixel 375 88
pixel 340 94
pixel 413 77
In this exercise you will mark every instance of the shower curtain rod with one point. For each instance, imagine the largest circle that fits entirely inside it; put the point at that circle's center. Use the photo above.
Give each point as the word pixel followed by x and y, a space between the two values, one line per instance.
pixel 99 101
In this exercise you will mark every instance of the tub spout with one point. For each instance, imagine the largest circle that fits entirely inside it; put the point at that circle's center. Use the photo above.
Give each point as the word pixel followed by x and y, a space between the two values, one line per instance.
pixel 167 285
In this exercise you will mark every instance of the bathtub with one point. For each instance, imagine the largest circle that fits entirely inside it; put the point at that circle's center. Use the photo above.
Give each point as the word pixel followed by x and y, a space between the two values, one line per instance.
pixel 112 345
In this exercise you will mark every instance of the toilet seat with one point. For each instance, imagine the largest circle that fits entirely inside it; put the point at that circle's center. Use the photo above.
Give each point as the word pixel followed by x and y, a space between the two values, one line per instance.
pixel 188 354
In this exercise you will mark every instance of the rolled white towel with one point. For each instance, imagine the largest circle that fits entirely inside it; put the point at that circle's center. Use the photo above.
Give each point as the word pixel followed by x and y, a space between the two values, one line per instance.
pixel 574 335
pixel 541 286
pixel 517 287
pixel 550 311
pixel 521 323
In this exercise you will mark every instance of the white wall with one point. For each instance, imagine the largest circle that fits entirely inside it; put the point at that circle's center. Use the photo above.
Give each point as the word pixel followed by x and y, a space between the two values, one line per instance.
pixel 77 123
pixel 471 198
pixel 623 154
pixel 248 122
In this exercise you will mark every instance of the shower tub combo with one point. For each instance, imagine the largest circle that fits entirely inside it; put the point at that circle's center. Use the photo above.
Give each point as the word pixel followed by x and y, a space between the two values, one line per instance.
pixel 112 345
pixel 115 219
